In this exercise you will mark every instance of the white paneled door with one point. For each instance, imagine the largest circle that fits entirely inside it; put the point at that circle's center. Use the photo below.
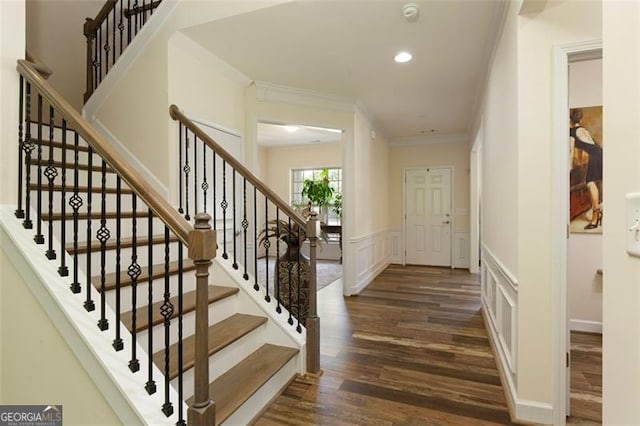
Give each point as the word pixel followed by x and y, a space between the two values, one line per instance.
pixel 428 216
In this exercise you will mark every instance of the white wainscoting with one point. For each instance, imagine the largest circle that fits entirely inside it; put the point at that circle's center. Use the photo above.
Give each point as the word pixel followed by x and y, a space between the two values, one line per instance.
pixel 372 256
pixel 395 239
pixel 461 250
pixel 499 289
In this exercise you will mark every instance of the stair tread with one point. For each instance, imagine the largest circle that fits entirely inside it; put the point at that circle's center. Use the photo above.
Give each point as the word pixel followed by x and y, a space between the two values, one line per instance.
pixel 221 335
pixel 56 144
pixel 94 215
pixel 157 272
pixel 216 293
pixel 67 165
pixel 81 189
pixel 234 387
pixel 112 243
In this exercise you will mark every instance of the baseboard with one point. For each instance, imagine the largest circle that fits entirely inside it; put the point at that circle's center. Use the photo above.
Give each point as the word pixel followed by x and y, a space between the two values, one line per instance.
pixel 585 326
pixel 123 151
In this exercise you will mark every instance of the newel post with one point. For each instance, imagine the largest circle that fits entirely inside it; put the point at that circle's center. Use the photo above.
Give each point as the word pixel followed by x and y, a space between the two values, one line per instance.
pixel 88 31
pixel 313 322
pixel 202 248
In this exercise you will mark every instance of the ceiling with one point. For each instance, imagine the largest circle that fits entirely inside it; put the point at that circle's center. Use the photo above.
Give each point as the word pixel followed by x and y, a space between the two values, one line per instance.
pixel 347 47
pixel 275 135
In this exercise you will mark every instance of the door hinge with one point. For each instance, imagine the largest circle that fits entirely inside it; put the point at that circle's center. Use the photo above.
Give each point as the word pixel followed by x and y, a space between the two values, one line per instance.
pixel 567 359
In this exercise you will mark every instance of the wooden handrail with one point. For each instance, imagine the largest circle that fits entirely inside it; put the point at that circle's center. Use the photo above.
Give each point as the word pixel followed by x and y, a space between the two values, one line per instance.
pixel 44 70
pixel 100 17
pixel 154 200
pixel 177 115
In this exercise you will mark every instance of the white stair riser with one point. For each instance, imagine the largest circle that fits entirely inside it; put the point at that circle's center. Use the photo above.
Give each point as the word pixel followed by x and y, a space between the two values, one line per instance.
pixel 225 359
pixel 217 312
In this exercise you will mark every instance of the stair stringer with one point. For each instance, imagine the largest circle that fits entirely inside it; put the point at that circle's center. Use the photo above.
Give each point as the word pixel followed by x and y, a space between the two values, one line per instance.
pixel 123 390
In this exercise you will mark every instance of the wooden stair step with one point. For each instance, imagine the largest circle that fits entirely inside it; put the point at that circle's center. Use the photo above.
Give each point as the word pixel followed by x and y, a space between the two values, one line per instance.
pixel 112 243
pixel 94 215
pixel 221 335
pixel 60 145
pixel 81 189
pixel 157 272
pixel 234 387
pixel 216 293
pixel 69 166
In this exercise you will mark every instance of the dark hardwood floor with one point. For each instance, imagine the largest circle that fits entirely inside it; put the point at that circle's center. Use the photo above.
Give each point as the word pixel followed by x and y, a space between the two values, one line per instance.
pixel 586 379
pixel 411 349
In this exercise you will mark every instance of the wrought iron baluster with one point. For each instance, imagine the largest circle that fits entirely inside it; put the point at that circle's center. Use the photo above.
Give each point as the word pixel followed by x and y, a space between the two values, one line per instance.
pixel 195 174
pixel 181 421
pixel 106 46
pixel 117 342
pixel 113 32
pixel 128 22
pixel 300 282
pixel 267 244
pixel 99 52
pixel 289 268
pixel 256 286
pixel 134 272
pixel 96 61
pixel 214 180
pixel 63 271
pixel 180 209
pixel 39 238
pixel 75 202
pixel 186 170
pixel 235 235
pixel 276 276
pixel 224 204
pixel 167 312
pixel 50 173
pixel 245 225
pixel 89 305
pixel 121 26
pixel 205 185
pixel 19 212
pixel 135 10
pixel 103 235
pixel 28 147
pixel 150 386
pixel 143 19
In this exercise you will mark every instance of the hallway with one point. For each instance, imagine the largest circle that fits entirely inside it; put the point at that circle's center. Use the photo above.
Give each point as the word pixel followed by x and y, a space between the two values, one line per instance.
pixel 410 349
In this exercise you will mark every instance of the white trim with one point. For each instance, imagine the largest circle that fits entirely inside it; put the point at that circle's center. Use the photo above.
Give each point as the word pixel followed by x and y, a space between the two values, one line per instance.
pixel 132 159
pixel 404 209
pixel 560 218
pixel 460 258
pixel 449 138
pixel 213 125
pixel 128 57
pixel 585 326
pixel 508 275
pixel 270 92
pixel 108 369
pixel 372 255
pixel 475 185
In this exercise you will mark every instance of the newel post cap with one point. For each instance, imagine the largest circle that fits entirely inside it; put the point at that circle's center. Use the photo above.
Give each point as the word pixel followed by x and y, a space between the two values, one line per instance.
pixel 202 239
pixel 313 226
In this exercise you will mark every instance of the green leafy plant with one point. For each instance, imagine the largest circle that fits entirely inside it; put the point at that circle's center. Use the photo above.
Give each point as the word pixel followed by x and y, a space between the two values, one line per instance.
pixel 337 205
pixel 319 192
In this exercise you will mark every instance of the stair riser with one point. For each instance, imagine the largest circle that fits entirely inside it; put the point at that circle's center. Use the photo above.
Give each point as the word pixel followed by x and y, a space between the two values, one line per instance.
pixel 224 359
pixel 217 312
pixel 142 291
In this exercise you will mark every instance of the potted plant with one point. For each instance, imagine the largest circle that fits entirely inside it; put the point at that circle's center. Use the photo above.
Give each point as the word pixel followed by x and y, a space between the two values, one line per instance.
pixel 319 193
pixel 292 267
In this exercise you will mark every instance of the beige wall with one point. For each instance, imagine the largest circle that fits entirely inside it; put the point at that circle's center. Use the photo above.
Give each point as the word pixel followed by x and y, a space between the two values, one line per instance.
pixel 55 36
pixel 281 160
pixel 559 22
pixel 455 155
pixel 621 82
pixel 37 365
pixel 584 256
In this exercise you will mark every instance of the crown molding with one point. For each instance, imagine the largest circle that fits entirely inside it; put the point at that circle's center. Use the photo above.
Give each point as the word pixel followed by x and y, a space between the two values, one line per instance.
pixel 449 138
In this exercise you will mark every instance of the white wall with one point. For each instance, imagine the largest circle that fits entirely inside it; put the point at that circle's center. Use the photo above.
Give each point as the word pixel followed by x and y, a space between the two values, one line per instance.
pixel 584 255
pixel 621 320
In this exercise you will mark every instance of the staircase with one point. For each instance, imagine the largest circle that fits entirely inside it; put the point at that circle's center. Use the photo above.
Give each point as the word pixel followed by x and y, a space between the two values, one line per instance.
pixel 134 258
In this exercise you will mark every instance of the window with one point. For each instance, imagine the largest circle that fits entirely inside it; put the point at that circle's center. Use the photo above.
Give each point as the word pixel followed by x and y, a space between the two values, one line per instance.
pixel 298 177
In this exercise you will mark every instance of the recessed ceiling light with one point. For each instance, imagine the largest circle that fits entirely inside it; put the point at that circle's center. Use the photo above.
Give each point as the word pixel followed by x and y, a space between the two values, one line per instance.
pixel 403 57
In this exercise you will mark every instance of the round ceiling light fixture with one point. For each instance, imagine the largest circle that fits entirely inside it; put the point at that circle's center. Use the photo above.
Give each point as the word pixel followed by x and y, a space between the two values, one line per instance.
pixel 403 57
pixel 411 12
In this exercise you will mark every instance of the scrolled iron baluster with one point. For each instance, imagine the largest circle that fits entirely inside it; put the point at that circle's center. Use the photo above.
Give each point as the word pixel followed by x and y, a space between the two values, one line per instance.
pixel 133 271
pixel 289 268
pixel 180 348
pixel 300 282
pixel 39 238
pixel 224 204
pixel 186 170
pixel 256 286
pixel 180 209
pixel 117 342
pixel 19 212
pixel 245 226
pixel 121 26
pixel 150 386
pixel 75 202
pixel 276 276
pixel 235 236
pixel 63 271
pixel 167 312
pixel 28 147
pixel 214 184
pixel 106 47
pixel 195 173
pixel 89 305
pixel 205 184
pixel 103 235
pixel 267 244
pixel 50 172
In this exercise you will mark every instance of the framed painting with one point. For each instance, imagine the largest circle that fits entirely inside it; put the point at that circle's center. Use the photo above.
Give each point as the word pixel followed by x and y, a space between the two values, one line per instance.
pixel 585 175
